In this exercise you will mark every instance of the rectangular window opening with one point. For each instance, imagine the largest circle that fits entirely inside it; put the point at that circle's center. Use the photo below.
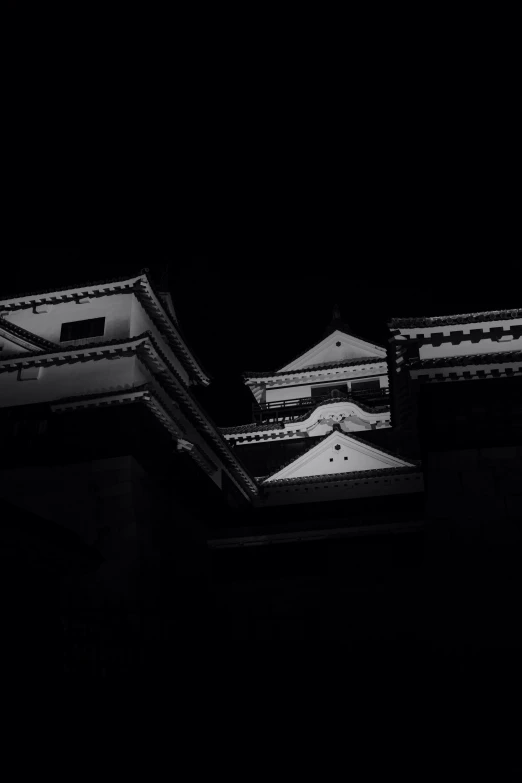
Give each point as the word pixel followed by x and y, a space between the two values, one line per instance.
pixel 326 390
pixel 365 385
pixel 80 330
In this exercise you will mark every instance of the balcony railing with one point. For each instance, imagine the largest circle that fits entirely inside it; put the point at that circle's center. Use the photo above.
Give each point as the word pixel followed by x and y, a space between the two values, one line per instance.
pixel 289 410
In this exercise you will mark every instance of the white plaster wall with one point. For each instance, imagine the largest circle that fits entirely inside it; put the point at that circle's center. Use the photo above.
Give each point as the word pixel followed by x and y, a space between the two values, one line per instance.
pixel 321 465
pixel 70 380
pixel 288 393
pixel 116 310
pixel 140 322
pixel 467 347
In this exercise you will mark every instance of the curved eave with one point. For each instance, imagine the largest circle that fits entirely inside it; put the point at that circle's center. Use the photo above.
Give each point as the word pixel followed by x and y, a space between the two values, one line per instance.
pixel 153 304
pixel 109 348
pixel 21 334
pixel 238 429
pixel 469 359
pixel 454 320
pixel 147 349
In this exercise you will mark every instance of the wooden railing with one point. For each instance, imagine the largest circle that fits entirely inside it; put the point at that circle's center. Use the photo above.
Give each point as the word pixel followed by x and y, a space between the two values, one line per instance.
pixel 288 410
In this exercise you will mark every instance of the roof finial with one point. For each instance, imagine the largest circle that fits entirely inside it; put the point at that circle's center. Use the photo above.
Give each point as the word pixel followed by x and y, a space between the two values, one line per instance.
pixel 336 322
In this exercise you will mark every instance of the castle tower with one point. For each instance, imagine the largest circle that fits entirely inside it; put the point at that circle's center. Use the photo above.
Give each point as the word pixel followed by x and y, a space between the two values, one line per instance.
pixel 322 422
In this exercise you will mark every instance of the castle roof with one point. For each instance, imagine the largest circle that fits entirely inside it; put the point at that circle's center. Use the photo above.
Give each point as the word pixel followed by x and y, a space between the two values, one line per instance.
pixel 447 320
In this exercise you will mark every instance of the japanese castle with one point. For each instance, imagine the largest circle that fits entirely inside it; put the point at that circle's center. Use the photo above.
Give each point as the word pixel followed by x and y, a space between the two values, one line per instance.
pixel 125 506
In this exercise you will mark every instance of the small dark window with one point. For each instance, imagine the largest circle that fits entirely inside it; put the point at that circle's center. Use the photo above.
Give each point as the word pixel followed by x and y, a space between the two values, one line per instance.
pixel 365 385
pixel 79 330
pixel 329 391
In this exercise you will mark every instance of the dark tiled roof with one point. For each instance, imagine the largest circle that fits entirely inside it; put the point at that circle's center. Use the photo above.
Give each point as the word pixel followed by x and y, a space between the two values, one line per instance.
pixel 352 475
pixel 72 349
pixel 251 428
pixel 144 387
pixel 72 286
pixel 465 318
pixel 178 341
pixel 313 367
pixel 460 361
pixel 30 337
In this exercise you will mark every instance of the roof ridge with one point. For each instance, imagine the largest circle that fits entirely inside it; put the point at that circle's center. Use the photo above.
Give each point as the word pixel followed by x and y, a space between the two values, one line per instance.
pixel 252 427
pixel 345 475
pixel 15 329
pixel 440 361
pixel 56 348
pixel 314 367
pixel 88 284
pixel 514 312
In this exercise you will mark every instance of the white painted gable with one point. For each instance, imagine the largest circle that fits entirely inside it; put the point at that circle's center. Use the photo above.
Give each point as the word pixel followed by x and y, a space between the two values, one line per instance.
pixel 339 453
pixel 328 351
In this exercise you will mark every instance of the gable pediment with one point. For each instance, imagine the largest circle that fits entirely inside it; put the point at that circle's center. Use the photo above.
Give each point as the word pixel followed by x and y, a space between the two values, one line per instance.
pixel 337 347
pixel 338 453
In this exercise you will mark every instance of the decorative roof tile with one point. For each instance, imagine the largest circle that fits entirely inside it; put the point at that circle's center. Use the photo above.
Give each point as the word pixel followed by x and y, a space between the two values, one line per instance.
pixel 24 334
pixel 251 428
pixel 46 291
pixel 468 359
pixel 58 350
pixel 315 367
pixel 137 390
pixel 464 318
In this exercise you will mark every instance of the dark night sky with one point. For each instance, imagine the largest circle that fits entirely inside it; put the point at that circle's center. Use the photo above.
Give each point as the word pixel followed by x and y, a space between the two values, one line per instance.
pixel 257 313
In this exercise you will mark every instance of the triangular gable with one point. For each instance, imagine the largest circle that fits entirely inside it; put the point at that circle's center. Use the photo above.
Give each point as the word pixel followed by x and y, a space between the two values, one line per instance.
pixel 329 351
pixel 338 453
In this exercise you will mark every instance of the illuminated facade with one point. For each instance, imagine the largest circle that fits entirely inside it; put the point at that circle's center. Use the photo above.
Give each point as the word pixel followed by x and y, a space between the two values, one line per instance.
pixel 321 427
